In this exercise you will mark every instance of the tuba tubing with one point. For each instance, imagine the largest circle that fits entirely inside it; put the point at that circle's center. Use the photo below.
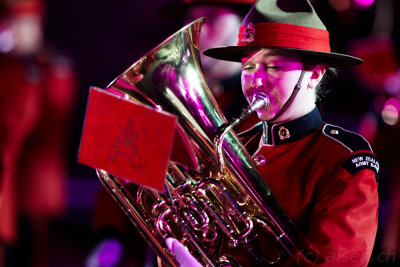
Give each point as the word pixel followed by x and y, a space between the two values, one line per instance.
pixel 260 100
pixel 223 210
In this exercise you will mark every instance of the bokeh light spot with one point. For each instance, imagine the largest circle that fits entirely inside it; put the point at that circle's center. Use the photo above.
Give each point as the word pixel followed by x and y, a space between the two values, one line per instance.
pixel 390 112
pixel 6 41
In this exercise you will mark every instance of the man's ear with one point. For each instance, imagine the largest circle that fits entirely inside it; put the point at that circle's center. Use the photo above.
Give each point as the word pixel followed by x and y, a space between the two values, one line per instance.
pixel 316 76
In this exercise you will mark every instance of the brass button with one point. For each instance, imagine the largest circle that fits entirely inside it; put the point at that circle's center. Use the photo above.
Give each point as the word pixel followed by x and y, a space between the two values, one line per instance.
pixel 259 160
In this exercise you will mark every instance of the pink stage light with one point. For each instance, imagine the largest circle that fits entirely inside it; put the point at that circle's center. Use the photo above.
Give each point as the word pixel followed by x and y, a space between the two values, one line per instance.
pixel 364 3
pixel 390 112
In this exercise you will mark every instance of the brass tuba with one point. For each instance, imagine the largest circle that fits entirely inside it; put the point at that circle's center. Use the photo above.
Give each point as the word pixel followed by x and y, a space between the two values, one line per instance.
pixel 223 211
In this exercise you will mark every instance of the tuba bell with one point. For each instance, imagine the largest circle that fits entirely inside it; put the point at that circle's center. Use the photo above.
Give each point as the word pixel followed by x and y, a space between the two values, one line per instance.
pixel 222 211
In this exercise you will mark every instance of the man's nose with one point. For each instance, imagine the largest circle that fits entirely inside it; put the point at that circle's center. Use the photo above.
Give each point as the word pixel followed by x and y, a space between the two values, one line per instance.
pixel 258 82
pixel 259 79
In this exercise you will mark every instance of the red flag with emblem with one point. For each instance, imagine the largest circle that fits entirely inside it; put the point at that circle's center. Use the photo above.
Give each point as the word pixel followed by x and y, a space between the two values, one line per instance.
pixel 127 139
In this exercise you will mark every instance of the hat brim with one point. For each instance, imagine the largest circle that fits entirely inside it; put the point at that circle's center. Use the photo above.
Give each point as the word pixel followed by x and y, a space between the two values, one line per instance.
pixel 236 53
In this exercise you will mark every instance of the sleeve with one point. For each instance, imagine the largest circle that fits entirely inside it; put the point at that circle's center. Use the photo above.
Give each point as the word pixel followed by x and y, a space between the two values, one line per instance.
pixel 343 222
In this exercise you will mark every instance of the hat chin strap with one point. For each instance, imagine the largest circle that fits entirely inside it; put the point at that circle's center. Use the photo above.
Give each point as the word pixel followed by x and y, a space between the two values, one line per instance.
pixel 296 89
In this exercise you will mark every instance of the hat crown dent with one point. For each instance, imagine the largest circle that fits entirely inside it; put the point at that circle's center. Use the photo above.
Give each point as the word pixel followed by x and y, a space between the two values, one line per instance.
pixel 295 12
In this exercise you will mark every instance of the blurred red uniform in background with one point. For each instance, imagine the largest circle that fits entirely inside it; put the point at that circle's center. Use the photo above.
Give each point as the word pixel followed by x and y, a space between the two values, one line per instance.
pixel 37 96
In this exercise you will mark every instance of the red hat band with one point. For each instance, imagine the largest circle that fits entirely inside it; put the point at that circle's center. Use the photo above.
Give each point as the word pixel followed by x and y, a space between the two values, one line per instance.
pixel 271 34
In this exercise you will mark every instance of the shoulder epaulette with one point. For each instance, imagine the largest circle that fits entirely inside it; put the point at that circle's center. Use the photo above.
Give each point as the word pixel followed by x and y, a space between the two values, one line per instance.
pixel 350 140
pixel 361 156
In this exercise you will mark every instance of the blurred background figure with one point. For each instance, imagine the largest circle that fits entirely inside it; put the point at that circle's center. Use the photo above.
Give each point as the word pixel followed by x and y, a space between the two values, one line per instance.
pixel 223 18
pixel 37 96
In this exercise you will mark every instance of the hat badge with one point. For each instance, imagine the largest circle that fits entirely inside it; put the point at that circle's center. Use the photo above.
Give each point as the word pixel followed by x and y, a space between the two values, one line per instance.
pixel 248 33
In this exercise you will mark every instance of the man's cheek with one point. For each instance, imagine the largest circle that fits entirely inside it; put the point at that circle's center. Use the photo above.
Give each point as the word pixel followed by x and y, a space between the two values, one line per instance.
pixel 247 95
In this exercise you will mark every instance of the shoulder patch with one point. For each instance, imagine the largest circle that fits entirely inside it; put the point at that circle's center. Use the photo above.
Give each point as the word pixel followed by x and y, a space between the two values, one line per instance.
pixel 352 141
pixel 362 160
pixel 361 156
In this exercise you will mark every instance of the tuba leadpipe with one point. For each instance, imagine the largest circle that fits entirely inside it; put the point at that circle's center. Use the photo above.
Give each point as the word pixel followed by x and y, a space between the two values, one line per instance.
pixel 223 211
pixel 260 100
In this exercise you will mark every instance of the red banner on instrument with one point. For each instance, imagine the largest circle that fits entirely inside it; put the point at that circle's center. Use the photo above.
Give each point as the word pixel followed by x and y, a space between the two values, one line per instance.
pixel 127 139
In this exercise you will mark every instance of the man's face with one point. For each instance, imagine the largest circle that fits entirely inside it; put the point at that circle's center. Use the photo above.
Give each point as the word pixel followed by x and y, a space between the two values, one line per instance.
pixel 21 35
pixel 276 76
pixel 219 29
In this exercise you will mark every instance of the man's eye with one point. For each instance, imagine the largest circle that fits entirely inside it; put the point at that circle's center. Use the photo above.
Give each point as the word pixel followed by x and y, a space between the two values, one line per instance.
pixel 248 67
pixel 274 67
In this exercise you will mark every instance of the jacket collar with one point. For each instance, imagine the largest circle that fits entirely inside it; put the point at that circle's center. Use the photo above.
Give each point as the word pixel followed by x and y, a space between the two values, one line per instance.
pixel 284 132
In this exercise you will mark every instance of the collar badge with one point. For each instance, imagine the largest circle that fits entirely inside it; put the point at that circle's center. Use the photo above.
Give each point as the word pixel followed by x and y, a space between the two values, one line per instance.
pixel 248 33
pixel 283 133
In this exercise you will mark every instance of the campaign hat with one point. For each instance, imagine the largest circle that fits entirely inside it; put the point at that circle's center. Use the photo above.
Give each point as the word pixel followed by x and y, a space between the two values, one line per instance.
pixel 291 25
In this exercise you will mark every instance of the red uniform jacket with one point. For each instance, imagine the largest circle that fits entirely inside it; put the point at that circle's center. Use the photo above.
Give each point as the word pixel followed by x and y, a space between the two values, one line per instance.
pixel 37 97
pixel 324 177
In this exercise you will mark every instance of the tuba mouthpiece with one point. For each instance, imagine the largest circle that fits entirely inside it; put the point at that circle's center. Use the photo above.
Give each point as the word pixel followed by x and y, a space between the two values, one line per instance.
pixel 260 100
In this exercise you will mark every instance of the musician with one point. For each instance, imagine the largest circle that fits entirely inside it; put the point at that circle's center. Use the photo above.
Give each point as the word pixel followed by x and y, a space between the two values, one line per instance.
pixel 38 86
pixel 323 176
